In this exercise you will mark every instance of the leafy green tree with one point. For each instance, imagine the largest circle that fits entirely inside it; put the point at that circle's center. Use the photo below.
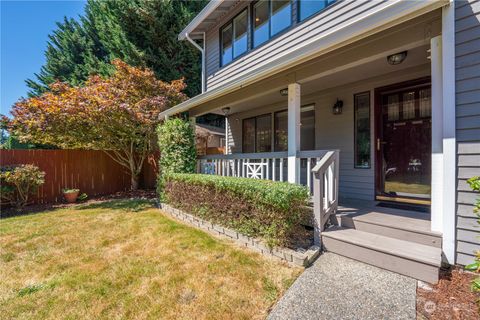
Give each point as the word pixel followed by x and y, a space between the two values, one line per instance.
pixel 140 32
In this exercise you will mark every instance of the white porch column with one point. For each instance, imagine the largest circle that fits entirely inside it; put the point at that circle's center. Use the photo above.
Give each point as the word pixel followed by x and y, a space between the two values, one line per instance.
pixel 293 132
pixel 449 134
pixel 443 134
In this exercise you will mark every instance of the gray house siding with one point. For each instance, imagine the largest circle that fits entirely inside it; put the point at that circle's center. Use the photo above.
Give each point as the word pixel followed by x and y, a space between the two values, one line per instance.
pixel 467 44
pixel 339 13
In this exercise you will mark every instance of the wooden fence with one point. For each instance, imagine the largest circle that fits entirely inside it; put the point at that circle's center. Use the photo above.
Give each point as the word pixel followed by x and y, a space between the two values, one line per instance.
pixel 93 172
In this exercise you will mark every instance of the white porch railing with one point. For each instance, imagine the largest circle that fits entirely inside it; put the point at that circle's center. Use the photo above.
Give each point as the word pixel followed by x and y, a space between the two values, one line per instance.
pixel 268 165
pixel 271 165
pixel 325 192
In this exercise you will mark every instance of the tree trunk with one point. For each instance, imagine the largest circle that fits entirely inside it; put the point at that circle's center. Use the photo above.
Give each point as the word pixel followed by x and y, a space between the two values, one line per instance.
pixel 134 182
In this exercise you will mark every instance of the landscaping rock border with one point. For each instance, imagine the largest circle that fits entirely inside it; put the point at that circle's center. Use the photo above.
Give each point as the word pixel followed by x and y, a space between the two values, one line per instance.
pixel 297 258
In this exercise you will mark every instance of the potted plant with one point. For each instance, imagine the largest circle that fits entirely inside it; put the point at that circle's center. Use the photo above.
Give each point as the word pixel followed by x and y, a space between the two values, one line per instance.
pixel 71 195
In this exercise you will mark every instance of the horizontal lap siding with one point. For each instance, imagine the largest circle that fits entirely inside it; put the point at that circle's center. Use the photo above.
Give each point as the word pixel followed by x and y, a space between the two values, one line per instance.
pixel 467 63
pixel 339 13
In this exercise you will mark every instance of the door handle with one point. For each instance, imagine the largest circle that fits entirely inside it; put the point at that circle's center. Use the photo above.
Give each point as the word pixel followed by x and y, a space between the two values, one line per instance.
pixel 379 143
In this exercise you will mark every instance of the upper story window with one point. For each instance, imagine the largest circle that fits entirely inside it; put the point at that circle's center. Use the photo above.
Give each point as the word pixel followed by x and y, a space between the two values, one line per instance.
pixel 308 8
pixel 269 18
pixel 234 40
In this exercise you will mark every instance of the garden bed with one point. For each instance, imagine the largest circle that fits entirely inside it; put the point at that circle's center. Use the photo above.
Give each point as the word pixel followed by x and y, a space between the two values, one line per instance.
pixel 303 255
pixel 451 298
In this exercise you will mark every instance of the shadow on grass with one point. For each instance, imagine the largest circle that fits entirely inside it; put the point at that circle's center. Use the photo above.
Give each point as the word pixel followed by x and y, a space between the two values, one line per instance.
pixel 12 212
pixel 132 205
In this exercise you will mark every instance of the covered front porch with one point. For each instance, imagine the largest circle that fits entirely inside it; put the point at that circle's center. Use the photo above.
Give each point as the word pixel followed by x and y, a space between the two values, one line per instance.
pixel 333 124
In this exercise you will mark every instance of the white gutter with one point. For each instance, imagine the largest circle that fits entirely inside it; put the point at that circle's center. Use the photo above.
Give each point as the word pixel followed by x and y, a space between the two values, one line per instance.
pixel 202 50
pixel 209 8
pixel 395 10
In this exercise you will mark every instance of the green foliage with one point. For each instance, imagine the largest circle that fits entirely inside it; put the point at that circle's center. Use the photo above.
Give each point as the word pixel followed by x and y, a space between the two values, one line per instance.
pixel 82 197
pixel 68 190
pixel 141 33
pixel 259 208
pixel 474 183
pixel 176 140
pixel 20 182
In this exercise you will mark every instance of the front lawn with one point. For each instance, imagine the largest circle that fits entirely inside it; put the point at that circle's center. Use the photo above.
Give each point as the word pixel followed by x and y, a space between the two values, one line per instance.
pixel 123 259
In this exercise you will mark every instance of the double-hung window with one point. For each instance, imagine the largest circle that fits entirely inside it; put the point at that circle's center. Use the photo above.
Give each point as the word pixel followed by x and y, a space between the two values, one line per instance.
pixel 270 17
pixel 307 8
pixel 234 40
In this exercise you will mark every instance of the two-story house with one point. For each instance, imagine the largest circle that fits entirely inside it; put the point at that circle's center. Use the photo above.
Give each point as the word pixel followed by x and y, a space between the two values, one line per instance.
pixel 372 103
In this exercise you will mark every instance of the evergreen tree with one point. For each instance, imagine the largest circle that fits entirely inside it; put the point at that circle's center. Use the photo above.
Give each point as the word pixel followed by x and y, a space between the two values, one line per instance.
pixel 142 33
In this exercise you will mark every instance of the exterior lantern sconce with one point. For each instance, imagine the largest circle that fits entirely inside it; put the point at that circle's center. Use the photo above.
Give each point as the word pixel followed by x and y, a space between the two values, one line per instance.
pixel 226 111
pixel 337 107
pixel 284 92
pixel 396 58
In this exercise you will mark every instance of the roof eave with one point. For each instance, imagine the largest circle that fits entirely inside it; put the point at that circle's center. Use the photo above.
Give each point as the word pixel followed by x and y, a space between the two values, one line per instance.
pixel 209 8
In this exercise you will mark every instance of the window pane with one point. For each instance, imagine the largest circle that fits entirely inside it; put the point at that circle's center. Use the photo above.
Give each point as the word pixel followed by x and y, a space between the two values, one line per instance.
pixel 409 105
pixel 227 51
pixel 261 30
pixel 307 129
pixel 248 139
pixel 240 40
pixel 310 7
pixel 264 133
pixel 281 15
pixel 425 105
pixel 362 130
pixel 281 131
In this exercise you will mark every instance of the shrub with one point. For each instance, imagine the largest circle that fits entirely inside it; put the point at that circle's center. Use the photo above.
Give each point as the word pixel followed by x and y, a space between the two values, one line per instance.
pixel 176 140
pixel 258 208
pixel 474 183
pixel 20 182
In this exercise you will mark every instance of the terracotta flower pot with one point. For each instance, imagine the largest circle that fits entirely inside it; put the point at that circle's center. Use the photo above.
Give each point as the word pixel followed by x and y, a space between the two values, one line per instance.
pixel 71 197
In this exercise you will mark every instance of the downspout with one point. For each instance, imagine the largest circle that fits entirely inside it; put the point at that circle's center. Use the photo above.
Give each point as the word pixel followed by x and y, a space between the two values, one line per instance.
pixel 202 50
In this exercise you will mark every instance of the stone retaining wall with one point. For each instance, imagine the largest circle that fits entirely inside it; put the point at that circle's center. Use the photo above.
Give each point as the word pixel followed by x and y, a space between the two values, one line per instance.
pixel 297 258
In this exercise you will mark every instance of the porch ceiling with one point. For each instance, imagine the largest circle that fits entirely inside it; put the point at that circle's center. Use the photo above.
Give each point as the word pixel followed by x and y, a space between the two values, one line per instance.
pixel 417 57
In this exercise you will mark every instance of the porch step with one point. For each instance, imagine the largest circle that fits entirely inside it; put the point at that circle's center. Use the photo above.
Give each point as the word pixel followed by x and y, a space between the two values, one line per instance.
pixel 412 259
pixel 399 224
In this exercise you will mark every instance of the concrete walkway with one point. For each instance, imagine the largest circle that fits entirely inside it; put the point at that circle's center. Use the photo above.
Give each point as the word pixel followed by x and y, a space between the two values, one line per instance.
pixel 335 287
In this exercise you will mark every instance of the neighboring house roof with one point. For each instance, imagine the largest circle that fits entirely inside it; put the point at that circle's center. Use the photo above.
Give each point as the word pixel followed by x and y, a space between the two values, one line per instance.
pixel 206 130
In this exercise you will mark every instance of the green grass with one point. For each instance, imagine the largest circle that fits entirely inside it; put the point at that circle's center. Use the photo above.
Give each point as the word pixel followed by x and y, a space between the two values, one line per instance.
pixel 123 259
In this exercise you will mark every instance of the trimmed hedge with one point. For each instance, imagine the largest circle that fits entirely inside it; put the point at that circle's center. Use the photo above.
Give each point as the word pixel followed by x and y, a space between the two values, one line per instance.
pixel 258 208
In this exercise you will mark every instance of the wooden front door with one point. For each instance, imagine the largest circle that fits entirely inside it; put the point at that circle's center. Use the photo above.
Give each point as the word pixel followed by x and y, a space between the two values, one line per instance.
pixel 403 142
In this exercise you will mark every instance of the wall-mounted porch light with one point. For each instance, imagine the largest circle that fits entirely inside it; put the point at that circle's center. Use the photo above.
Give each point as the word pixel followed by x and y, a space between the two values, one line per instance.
pixel 396 58
pixel 337 107
pixel 284 92
pixel 226 111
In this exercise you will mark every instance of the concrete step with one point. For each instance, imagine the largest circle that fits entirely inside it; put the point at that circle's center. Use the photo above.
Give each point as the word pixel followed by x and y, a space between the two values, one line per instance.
pixel 398 224
pixel 412 259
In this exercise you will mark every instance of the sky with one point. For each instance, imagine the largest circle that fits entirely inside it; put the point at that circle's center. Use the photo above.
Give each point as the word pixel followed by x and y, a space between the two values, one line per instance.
pixel 25 26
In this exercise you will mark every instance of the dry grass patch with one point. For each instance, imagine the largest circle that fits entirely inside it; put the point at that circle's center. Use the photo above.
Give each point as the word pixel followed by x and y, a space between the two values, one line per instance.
pixel 124 260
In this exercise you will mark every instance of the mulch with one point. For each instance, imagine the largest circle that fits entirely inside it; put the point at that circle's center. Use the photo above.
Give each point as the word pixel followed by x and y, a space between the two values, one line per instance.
pixel 451 298
pixel 36 208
